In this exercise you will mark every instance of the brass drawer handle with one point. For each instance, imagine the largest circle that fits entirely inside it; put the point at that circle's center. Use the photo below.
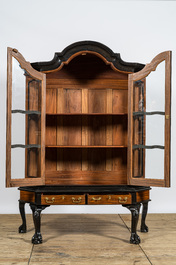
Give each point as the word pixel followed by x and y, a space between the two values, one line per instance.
pixel 49 201
pixel 96 199
pixel 76 201
pixel 122 200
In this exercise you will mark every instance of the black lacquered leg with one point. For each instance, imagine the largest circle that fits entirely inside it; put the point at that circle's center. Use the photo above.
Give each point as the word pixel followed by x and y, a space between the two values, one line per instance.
pixel 144 227
pixel 22 228
pixel 36 210
pixel 134 208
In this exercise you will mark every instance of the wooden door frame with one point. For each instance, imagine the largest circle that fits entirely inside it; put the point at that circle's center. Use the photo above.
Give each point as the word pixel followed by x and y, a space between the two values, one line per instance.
pixel 39 76
pixel 164 56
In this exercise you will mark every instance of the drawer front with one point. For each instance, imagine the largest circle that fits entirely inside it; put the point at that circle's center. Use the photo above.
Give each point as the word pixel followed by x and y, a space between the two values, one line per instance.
pixel 109 199
pixel 62 199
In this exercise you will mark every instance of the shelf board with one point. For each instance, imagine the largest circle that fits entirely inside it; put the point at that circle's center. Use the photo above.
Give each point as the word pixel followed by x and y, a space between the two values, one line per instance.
pixel 86 146
pixel 86 114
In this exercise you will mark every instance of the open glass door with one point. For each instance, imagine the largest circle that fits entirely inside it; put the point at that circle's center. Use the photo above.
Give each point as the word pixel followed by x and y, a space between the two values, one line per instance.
pixel 149 110
pixel 25 147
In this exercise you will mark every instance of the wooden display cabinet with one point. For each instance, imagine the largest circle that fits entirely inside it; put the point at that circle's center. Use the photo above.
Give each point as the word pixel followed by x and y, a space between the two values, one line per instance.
pixel 79 130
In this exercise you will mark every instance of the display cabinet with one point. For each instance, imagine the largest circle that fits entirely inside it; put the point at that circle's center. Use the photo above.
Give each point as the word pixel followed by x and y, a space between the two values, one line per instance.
pixel 87 128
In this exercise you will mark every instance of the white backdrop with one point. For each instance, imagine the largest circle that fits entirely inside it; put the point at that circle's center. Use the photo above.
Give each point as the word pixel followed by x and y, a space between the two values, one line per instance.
pixel 138 30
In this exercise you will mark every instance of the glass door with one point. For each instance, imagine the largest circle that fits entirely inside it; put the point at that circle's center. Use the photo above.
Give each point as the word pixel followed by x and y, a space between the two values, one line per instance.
pixel 149 122
pixel 25 148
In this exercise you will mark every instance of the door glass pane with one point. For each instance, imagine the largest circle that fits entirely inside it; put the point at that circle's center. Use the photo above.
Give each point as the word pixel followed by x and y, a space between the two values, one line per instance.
pixel 25 123
pixel 149 125
pixel 155 89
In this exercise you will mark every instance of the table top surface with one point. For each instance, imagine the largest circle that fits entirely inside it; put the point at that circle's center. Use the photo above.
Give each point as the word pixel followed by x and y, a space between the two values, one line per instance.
pixel 84 189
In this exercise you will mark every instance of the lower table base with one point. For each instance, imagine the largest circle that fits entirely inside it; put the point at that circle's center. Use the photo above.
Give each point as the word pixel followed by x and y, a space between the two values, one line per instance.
pixel 34 199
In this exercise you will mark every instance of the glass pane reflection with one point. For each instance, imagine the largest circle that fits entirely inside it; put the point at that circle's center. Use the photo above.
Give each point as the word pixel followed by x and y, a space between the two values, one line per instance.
pixel 149 125
pixel 25 123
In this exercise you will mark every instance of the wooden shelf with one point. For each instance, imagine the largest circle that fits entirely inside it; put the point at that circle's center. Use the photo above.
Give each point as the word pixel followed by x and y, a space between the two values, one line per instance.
pixel 86 146
pixel 86 114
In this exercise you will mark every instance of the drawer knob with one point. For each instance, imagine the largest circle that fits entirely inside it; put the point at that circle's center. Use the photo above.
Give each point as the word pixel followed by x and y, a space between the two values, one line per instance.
pixel 122 200
pixel 76 200
pixel 49 201
pixel 96 199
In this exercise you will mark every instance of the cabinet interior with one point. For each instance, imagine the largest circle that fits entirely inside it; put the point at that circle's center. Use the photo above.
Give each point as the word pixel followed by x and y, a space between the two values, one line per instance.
pixel 86 123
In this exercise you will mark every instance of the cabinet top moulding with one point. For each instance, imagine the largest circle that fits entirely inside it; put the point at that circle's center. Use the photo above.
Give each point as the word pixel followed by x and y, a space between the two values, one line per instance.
pixel 83 48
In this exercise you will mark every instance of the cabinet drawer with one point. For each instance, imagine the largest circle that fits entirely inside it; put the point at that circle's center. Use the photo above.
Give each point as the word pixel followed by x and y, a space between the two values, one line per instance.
pixel 109 199
pixel 62 199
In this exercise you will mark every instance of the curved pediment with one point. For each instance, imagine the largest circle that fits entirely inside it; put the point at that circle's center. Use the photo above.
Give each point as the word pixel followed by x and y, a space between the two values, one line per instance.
pixel 83 47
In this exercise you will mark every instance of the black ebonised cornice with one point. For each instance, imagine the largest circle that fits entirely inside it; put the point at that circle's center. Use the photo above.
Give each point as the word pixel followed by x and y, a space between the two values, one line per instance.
pixel 84 46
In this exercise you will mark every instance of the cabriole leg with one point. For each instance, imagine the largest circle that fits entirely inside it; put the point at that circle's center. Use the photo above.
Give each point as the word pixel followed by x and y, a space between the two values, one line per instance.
pixel 36 210
pixel 22 228
pixel 144 227
pixel 134 208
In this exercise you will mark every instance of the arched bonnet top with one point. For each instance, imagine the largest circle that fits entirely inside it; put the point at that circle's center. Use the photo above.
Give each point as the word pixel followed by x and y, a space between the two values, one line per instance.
pixel 82 47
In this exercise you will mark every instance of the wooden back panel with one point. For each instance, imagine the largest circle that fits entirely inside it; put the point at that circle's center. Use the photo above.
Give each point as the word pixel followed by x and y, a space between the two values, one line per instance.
pixel 86 124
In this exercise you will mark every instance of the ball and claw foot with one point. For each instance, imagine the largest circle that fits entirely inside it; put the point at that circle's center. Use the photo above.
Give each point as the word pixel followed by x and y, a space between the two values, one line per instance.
pixel 37 238
pixel 22 229
pixel 135 239
pixel 144 229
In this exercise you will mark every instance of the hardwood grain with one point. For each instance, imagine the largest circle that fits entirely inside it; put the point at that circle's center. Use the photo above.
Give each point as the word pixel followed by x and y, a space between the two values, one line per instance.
pixel 167 119
pixel 27 196
pixel 119 130
pixel 51 100
pixel 72 100
pixel 8 120
pixel 52 156
pixel 86 177
pixel 97 101
pixel 92 84
pixel 119 101
pixel 142 196
pixel 51 133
